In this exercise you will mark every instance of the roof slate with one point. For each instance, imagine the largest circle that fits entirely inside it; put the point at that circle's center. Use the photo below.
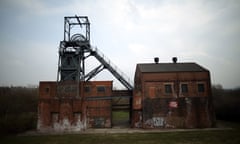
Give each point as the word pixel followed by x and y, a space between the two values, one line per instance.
pixel 170 67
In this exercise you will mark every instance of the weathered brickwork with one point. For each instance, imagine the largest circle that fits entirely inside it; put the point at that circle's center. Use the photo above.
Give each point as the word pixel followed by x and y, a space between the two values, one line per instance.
pixel 66 106
pixel 172 99
pixel 165 96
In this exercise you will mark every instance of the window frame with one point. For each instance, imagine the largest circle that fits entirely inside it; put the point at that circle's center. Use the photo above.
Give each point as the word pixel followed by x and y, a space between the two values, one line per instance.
pixel 184 90
pixel 166 88
pixel 99 90
pixel 200 89
pixel 47 90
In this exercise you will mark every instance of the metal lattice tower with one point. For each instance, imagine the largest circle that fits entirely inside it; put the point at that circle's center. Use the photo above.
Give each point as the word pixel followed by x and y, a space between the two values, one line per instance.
pixel 72 49
pixel 76 48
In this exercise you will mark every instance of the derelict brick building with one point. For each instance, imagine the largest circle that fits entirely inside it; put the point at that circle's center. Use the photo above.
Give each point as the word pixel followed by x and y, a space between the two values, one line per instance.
pixel 164 95
pixel 60 109
pixel 172 95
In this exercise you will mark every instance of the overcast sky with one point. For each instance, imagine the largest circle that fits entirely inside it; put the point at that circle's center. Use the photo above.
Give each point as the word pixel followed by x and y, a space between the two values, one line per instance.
pixel 126 31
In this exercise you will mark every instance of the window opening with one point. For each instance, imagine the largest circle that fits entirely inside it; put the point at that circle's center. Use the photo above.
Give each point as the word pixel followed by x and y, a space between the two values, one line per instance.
pixel 101 88
pixel 184 88
pixel 168 88
pixel 201 88
pixel 47 89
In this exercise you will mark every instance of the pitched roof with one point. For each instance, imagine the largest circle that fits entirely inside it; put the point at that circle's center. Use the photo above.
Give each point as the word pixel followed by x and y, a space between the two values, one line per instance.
pixel 170 67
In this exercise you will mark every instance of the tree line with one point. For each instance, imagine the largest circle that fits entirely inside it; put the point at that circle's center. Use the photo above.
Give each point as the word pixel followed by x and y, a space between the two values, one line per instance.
pixel 18 109
pixel 226 103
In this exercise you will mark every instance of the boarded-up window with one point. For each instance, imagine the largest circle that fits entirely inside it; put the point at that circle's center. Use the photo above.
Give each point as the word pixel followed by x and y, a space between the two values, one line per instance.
pixel 152 92
pixel 168 88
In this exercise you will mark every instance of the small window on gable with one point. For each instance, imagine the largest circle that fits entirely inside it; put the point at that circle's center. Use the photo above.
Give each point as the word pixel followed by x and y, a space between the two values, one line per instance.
pixel 201 87
pixel 184 88
pixel 100 88
pixel 168 88
pixel 47 89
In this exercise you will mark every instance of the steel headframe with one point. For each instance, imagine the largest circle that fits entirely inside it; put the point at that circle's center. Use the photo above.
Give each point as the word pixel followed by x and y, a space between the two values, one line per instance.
pixel 75 48
pixel 72 49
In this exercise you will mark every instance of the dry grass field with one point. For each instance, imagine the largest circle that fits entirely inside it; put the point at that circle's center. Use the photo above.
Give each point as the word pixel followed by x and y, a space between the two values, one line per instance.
pixel 227 136
pixel 196 137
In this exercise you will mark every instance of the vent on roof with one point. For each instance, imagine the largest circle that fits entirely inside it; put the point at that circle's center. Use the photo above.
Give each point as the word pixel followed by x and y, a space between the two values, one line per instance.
pixel 156 60
pixel 174 59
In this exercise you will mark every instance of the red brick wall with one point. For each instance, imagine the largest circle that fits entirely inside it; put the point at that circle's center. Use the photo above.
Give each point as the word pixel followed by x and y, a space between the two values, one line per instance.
pixel 60 106
pixel 194 109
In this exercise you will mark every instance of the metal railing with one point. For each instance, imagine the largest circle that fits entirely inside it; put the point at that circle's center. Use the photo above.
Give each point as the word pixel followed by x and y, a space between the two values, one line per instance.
pixel 122 77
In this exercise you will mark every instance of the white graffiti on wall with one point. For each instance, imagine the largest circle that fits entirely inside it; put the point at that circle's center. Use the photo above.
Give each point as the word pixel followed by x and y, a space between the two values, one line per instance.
pixel 63 125
pixel 155 122
pixel 158 121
